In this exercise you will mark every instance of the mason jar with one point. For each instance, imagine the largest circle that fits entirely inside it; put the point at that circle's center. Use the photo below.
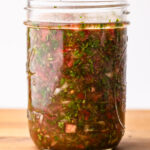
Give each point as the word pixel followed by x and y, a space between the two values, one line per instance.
pixel 76 67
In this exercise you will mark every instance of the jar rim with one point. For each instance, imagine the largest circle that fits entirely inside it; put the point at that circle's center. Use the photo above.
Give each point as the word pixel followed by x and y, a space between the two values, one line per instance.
pixel 77 4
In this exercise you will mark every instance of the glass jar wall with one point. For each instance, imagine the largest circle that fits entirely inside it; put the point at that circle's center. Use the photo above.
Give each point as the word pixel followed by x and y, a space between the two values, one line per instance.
pixel 76 68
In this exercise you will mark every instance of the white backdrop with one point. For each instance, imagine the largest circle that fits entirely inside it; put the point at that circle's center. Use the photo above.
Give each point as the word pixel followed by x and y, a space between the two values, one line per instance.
pixel 13 83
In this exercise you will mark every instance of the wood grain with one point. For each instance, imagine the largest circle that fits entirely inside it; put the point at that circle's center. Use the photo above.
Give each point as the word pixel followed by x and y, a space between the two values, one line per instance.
pixel 14 133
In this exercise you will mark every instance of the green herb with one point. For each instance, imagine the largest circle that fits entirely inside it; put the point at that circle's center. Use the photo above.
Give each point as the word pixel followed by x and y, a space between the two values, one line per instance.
pixel 61 125
pixel 83 25
pixel 56 138
pixel 62 81
pixel 39 137
pixel 59 26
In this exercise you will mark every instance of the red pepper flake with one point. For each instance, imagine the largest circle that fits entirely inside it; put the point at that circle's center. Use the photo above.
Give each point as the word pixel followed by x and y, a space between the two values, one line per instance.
pixel 86 114
pixel 96 97
pixel 67 50
pixel 70 63
pixel 81 96
pixel 80 146
pixel 109 115
pixel 112 32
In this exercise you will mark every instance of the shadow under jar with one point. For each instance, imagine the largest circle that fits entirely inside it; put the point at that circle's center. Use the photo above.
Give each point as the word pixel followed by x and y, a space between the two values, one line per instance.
pixel 76 66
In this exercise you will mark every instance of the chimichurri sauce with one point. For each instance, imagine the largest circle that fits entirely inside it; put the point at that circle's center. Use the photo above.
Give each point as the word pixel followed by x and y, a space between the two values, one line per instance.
pixel 77 86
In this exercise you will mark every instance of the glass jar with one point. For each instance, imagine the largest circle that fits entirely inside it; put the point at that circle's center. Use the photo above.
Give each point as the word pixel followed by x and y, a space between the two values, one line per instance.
pixel 76 66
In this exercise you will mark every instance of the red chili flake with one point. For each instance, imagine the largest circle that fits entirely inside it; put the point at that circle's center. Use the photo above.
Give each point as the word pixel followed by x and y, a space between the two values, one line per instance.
pixel 66 50
pixel 109 115
pixel 81 96
pixel 44 33
pixel 112 32
pixel 70 63
pixel 96 97
pixel 80 146
pixel 86 114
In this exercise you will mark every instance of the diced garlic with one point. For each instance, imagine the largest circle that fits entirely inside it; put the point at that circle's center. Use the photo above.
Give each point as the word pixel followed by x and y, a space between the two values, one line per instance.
pixel 58 90
pixel 109 74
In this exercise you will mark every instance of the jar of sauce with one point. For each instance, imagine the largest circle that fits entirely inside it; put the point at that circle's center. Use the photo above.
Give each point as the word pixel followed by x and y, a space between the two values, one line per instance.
pixel 76 66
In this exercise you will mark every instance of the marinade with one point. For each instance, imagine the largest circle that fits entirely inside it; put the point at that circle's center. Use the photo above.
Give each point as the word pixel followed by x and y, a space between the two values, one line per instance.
pixel 77 85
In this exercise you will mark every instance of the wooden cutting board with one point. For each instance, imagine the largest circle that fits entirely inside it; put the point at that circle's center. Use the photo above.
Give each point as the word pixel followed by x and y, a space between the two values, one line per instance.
pixel 14 133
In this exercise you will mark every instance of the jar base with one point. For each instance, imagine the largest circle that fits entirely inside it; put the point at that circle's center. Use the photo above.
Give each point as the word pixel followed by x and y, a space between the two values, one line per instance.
pixel 99 149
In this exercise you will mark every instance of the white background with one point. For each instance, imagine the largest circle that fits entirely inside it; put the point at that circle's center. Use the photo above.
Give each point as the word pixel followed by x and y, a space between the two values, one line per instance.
pixel 13 83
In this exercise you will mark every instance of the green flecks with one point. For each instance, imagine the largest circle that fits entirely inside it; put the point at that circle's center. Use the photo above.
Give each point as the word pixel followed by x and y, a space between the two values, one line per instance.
pixel 62 81
pixel 77 62
pixel 91 65
pixel 71 85
pixel 55 6
pixel 118 23
pixel 84 101
pixel 56 138
pixel 61 125
pixel 82 34
pixel 88 51
pixel 117 20
pixel 53 100
pixel 82 25
pixel 68 117
pixel 72 73
pixel 39 137
pixel 69 33
pixel 78 54
pixel 74 107
pixel 101 26
pixel 80 123
pixel 59 26
pixel 94 43
pixel 85 47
